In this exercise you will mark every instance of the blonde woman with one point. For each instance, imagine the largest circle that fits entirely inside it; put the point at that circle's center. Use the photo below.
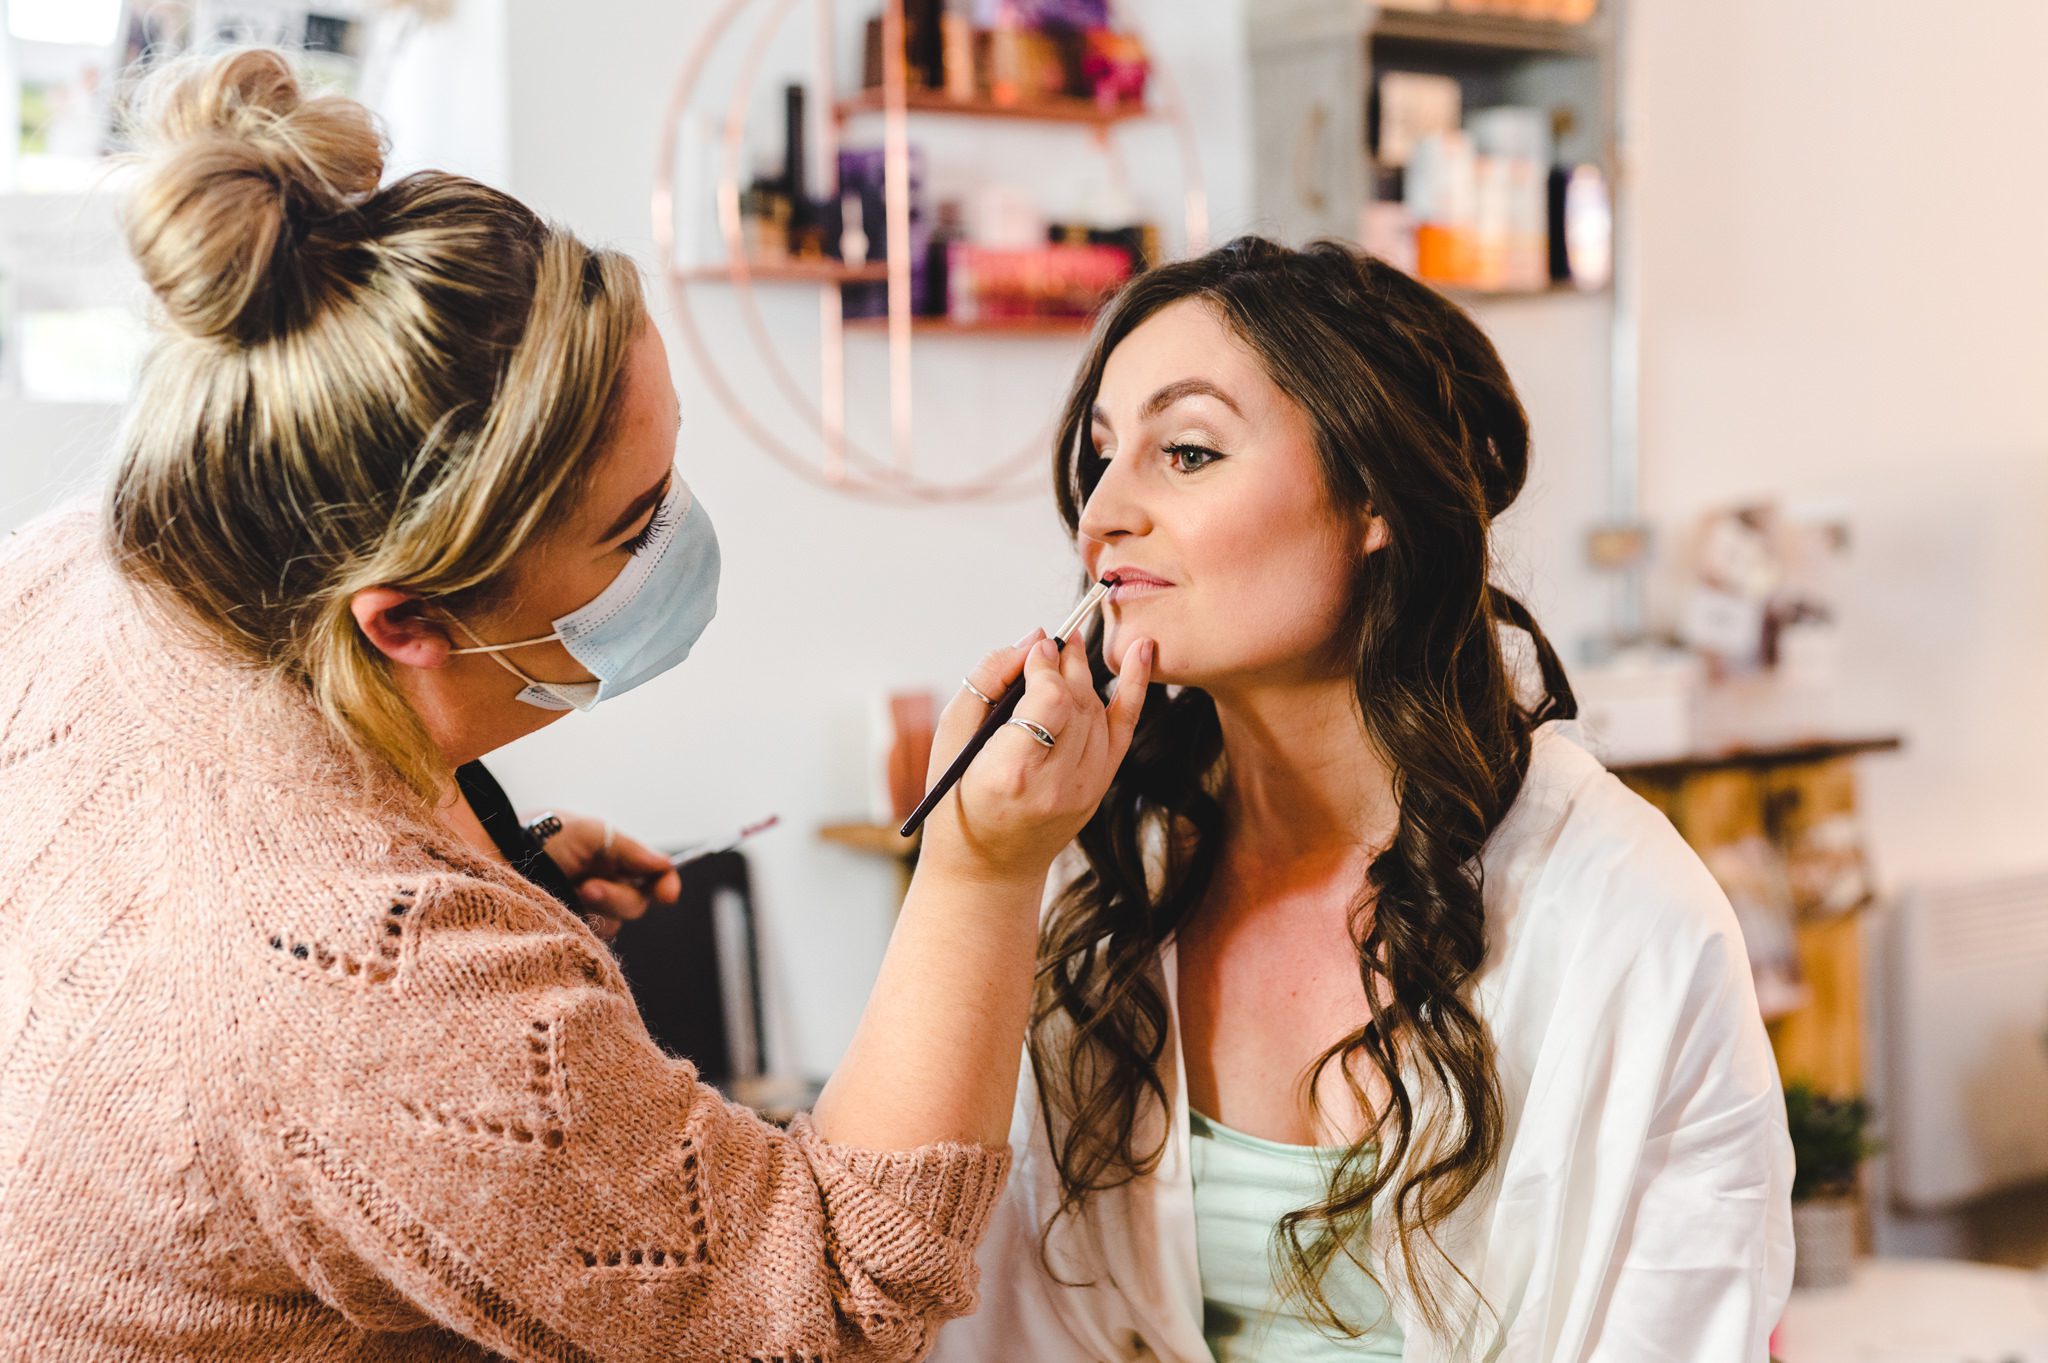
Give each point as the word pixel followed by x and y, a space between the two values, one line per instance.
pixel 293 1064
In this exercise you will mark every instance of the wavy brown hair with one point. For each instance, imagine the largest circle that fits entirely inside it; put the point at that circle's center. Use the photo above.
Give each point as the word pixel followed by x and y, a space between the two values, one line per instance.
pixel 1416 420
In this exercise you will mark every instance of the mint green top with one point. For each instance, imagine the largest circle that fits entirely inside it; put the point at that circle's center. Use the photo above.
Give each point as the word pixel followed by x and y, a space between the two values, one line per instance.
pixel 1243 1186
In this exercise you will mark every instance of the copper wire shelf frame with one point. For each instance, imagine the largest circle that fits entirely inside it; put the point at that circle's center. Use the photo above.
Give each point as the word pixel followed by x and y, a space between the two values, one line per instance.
pixel 842 465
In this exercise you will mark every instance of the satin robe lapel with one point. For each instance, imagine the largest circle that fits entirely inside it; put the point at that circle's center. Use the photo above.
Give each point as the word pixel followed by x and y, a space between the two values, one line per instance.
pixel 1136 1244
pixel 1159 1258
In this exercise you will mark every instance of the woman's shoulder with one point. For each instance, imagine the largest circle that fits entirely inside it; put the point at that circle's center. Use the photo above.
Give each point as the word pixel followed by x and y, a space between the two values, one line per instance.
pixel 358 922
pixel 1586 856
pixel 51 538
pixel 45 565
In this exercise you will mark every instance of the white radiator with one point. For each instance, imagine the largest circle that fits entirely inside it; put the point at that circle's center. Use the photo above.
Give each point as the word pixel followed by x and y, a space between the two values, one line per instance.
pixel 1967 1109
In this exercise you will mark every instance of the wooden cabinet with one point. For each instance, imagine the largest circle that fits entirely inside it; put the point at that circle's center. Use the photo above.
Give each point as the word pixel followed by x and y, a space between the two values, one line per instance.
pixel 1793 796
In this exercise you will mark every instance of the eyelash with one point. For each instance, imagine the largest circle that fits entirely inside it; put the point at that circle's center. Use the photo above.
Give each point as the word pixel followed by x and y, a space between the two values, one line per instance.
pixel 656 523
pixel 1178 452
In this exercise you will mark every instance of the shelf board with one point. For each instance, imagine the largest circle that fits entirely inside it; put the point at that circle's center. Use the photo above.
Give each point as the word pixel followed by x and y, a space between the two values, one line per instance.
pixel 790 272
pixel 995 326
pixel 1462 294
pixel 1759 758
pixel 1484 34
pixel 1079 111
pixel 880 840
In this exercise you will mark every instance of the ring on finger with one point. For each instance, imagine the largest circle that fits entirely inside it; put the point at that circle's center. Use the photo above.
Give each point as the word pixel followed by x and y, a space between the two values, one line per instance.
pixel 1039 733
pixel 976 692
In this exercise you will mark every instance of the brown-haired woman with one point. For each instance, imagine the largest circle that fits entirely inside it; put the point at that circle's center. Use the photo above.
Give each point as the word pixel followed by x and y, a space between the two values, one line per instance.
pixel 293 1063
pixel 1376 1020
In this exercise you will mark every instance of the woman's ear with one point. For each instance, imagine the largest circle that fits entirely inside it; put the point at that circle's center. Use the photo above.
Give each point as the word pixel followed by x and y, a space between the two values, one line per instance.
pixel 397 625
pixel 1377 535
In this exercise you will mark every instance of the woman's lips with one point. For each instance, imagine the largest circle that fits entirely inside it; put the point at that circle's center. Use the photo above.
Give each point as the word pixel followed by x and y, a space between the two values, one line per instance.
pixel 1136 586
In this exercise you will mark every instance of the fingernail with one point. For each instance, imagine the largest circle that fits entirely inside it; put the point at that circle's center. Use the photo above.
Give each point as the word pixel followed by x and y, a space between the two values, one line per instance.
pixel 1046 651
pixel 1029 637
pixel 590 894
pixel 1151 651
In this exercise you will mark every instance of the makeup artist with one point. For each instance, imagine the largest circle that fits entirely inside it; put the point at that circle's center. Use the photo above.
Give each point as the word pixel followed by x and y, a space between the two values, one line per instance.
pixel 293 1063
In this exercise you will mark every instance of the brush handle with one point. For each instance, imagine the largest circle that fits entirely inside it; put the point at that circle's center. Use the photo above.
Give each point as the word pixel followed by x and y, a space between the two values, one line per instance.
pixel 997 717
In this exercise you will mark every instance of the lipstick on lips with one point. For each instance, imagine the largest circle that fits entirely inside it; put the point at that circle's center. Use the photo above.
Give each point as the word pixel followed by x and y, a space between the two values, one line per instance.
pixel 1132 582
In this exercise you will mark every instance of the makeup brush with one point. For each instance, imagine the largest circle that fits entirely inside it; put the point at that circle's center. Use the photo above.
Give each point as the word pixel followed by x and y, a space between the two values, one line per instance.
pixel 700 851
pixel 999 715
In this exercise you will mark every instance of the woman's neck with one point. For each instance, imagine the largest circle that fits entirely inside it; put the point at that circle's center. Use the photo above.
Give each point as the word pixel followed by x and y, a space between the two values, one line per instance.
pixel 455 815
pixel 1305 786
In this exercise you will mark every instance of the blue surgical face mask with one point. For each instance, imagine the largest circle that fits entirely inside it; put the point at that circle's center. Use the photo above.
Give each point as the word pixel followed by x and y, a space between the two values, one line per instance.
pixel 644 623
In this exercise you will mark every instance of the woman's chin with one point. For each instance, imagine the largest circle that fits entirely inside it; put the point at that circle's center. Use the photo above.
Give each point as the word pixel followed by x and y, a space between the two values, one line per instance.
pixel 1117 643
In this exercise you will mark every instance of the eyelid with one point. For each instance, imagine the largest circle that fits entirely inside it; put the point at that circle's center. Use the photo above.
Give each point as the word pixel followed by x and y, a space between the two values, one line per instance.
pixel 660 496
pixel 632 541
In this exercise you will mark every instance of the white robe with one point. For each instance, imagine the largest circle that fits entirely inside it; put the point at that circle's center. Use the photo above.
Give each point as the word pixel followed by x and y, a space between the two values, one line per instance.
pixel 1640 1210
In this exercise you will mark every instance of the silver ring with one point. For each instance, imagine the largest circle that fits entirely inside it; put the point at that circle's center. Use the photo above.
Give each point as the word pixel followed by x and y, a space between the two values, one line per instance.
pixel 1037 731
pixel 975 691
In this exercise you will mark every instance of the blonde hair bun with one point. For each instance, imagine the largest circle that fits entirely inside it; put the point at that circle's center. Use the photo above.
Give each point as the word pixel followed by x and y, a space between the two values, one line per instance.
pixel 245 218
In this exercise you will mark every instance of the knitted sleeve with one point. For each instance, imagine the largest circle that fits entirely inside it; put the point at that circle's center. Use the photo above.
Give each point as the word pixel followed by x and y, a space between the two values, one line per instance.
pixel 463 1122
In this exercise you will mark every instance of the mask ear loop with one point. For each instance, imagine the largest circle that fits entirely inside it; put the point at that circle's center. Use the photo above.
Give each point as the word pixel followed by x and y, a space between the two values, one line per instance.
pixel 497 652
pixel 499 648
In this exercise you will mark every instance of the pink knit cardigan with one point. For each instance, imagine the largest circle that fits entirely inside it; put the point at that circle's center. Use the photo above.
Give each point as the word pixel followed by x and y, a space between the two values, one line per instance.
pixel 286 1072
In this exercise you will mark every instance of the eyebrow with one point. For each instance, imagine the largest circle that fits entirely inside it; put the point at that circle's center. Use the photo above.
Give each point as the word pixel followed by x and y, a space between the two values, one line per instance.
pixel 640 507
pixel 1172 393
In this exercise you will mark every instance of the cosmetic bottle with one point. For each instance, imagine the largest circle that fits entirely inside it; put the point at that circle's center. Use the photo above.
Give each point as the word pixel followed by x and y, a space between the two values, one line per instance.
pixel 764 222
pixel 1443 189
pixel 853 234
pixel 1588 228
pixel 924 44
pixel 956 38
pixel 796 179
pixel 1517 140
pixel 937 298
pixel 1006 56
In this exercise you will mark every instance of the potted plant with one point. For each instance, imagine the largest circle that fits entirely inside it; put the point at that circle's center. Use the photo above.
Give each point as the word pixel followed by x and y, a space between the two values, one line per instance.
pixel 1830 1139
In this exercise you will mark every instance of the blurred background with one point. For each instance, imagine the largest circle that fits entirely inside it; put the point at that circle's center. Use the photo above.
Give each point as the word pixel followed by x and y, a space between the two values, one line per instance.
pixel 1769 280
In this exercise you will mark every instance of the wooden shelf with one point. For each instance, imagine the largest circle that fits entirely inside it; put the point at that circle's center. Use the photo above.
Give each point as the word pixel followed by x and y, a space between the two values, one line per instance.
pixel 879 840
pixel 1758 758
pixel 1484 34
pixel 791 272
pixel 1078 111
pixel 1463 294
pixel 997 326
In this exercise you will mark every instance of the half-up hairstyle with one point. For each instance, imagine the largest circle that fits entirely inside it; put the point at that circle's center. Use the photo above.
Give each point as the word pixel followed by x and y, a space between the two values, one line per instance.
pixel 354 384
pixel 1416 421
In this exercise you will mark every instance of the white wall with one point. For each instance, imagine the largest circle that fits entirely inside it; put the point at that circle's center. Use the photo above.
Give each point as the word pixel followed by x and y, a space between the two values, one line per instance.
pixel 1841 206
pixel 51 453
pixel 441 91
